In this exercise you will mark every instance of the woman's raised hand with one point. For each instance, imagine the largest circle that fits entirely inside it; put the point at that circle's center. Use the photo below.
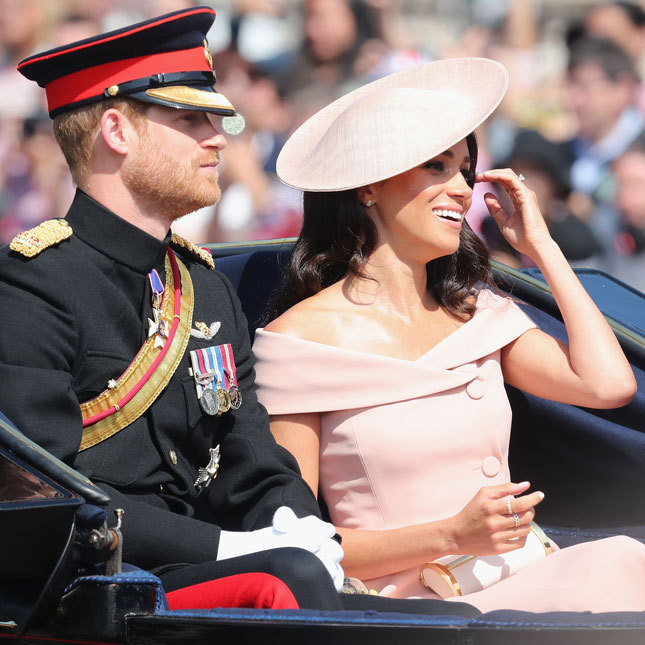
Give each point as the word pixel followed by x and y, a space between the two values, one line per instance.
pixel 524 229
pixel 485 527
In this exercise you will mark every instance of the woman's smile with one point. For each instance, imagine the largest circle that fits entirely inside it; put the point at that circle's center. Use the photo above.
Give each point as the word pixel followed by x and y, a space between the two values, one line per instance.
pixel 452 217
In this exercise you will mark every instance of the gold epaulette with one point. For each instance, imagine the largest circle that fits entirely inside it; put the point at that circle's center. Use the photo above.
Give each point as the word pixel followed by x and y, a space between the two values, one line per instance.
pixel 32 242
pixel 201 254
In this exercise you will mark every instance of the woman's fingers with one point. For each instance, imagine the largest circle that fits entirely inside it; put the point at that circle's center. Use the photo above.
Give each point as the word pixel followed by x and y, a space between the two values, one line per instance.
pixel 524 228
pixel 520 504
pixel 524 520
pixel 495 209
pixel 530 500
pixel 512 540
pixel 495 520
pixel 516 512
pixel 519 193
pixel 501 491
pixel 503 176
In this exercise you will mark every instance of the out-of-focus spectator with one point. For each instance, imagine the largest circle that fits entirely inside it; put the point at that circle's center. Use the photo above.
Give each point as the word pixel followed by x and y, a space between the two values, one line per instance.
pixel 543 165
pixel 622 23
pixel 264 32
pixel 252 196
pixel 622 224
pixel 36 184
pixel 336 35
pixel 75 26
pixel 601 92
pixel 22 26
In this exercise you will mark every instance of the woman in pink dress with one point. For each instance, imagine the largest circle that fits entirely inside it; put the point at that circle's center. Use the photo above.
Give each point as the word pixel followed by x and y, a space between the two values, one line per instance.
pixel 384 372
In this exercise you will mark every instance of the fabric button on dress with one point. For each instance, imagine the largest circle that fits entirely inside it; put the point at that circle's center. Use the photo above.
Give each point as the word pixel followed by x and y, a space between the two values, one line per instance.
pixel 491 466
pixel 476 389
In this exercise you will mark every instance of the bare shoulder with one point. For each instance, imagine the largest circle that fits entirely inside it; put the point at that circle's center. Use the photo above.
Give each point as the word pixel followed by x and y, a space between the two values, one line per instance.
pixel 316 318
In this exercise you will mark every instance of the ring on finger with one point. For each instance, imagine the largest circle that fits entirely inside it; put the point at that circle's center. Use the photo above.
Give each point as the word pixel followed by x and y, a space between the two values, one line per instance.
pixel 516 519
pixel 508 504
pixel 521 177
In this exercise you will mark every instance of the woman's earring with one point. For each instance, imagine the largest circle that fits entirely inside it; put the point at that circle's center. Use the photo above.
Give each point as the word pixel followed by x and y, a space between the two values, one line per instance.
pixel 368 203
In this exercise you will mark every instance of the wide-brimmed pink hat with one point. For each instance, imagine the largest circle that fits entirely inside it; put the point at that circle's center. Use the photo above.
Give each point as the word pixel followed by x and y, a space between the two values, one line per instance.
pixel 392 125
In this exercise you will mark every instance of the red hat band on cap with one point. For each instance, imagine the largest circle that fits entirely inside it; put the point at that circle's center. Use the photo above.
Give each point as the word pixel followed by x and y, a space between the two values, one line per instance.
pixel 93 81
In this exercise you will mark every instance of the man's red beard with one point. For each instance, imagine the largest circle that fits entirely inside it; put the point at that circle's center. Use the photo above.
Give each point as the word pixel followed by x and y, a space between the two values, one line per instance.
pixel 170 187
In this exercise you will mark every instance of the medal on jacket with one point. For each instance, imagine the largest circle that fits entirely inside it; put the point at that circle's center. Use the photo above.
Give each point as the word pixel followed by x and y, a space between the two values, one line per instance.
pixel 208 373
pixel 222 394
pixel 207 474
pixel 157 327
pixel 203 375
pixel 209 402
pixel 226 351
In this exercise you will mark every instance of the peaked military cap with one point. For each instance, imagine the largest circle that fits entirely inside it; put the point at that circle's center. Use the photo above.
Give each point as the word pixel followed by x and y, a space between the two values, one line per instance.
pixel 164 60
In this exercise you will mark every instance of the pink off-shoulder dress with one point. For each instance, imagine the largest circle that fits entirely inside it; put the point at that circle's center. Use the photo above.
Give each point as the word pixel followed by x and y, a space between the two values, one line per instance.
pixel 405 442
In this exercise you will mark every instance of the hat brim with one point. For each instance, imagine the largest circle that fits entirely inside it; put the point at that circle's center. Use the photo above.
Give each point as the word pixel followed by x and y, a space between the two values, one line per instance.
pixel 392 124
pixel 188 98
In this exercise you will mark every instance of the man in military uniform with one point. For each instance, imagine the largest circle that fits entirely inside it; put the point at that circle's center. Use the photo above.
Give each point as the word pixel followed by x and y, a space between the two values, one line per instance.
pixel 125 354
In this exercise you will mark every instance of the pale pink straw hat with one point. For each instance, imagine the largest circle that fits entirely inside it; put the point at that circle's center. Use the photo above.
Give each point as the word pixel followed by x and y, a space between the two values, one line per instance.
pixel 391 125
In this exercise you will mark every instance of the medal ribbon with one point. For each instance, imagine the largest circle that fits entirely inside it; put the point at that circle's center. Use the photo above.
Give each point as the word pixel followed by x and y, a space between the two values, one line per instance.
pixel 101 410
pixel 157 288
pixel 231 372
pixel 221 374
pixel 202 372
pixel 229 364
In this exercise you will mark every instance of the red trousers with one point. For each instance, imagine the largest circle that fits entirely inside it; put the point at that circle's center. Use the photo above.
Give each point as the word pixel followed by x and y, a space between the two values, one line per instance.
pixel 285 578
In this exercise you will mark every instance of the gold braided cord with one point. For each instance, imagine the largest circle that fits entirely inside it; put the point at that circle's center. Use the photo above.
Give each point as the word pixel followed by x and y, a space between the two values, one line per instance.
pixel 201 254
pixel 110 425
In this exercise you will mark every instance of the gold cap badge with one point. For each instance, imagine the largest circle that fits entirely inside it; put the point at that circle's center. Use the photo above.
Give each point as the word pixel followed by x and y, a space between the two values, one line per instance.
pixel 207 53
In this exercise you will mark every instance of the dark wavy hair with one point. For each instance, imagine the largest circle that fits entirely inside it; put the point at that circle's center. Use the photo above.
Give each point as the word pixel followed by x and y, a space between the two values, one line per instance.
pixel 338 237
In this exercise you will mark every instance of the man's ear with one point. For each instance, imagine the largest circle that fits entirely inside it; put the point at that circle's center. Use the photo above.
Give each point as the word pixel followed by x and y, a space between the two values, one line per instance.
pixel 117 131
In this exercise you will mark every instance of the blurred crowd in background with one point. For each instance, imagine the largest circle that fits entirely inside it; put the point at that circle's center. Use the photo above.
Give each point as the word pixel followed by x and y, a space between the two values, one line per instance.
pixel 572 122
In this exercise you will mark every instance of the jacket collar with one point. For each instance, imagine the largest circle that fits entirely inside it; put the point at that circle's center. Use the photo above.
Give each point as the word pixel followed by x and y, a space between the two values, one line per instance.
pixel 112 236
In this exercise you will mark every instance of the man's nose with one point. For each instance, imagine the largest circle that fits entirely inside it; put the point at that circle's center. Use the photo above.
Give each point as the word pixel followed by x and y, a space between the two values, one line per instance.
pixel 216 140
pixel 215 137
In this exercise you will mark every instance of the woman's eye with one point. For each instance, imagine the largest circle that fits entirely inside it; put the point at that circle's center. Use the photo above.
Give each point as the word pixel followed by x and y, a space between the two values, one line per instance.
pixel 435 166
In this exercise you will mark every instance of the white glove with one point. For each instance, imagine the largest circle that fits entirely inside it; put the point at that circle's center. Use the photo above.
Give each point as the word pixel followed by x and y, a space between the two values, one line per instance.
pixel 328 551
pixel 309 533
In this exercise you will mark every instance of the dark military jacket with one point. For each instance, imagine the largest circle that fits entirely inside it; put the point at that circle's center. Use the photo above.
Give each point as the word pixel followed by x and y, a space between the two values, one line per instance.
pixel 72 318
